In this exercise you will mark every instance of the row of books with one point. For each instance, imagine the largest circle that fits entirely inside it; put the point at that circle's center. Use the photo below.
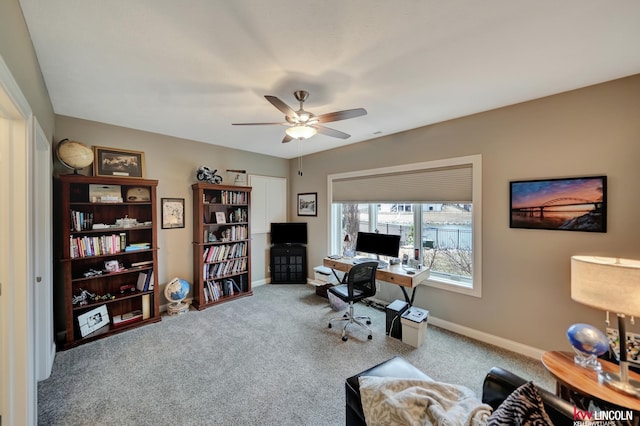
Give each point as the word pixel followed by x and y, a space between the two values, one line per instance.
pixel 230 267
pixel 145 281
pixel 95 246
pixel 224 251
pixel 214 290
pixel 233 197
pixel 81 221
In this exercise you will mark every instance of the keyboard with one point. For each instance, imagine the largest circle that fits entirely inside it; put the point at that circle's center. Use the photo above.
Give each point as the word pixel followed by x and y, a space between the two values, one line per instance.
pixel 381 263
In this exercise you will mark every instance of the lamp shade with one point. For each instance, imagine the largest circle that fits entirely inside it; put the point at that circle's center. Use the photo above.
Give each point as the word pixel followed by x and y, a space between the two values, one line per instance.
pixel 301 131
pixel 605 283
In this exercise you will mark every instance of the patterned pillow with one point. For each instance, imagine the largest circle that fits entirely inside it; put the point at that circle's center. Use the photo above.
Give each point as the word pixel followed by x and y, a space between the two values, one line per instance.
pixel 523 407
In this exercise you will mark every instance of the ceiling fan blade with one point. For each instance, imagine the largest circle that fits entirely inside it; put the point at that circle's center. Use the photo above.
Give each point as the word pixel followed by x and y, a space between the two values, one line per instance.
pixel 341 115
pixel 276 102
pixel 287 138
pixel 259 124
pixel 331 132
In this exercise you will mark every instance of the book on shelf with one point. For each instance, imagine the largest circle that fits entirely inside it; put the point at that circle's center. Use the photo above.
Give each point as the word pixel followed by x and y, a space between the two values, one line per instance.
pixel 149 285
pixel 146 306
pixel 128 318
pixel 137 246
pixel 142 280
pixel 141 263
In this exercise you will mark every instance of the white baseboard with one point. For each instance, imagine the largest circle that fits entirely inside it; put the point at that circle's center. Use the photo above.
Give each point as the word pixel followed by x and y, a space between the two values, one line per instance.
pixel 501 342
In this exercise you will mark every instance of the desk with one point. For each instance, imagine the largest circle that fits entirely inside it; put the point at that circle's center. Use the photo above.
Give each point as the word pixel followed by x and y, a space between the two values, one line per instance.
pixel 571 379
pixel 393 274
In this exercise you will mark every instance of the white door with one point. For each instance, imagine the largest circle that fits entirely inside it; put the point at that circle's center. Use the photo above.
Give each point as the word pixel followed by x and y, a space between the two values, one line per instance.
pixel 45 348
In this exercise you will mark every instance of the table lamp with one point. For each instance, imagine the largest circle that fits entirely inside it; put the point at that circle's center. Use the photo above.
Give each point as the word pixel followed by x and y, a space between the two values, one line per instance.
pixel 612 285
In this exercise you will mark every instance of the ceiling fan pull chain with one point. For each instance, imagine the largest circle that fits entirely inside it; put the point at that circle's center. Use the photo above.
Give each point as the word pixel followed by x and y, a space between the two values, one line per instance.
pixel 299 160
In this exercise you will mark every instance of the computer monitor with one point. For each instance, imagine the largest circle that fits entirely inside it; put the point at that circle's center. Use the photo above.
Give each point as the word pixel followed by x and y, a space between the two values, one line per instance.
pixel 378 244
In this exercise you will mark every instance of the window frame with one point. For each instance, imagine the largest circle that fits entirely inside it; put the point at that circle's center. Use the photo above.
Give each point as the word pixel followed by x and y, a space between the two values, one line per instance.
pixel 475 161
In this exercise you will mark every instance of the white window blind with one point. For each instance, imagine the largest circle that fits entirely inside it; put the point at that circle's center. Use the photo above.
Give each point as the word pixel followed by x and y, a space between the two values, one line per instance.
pixel 451 184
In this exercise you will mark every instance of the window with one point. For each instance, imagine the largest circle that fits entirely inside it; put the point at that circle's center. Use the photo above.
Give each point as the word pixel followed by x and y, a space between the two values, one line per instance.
pixel 440 224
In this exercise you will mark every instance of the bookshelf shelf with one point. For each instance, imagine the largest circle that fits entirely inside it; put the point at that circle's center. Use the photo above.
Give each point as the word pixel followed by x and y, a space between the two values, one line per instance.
pixel 221 244
pixel 90 238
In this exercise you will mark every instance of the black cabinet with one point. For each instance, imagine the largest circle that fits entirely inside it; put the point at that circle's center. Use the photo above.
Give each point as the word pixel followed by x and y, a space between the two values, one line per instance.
pixel 288 264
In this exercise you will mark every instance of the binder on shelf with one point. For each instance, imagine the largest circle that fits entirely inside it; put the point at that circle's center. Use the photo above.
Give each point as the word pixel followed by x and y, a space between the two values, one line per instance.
pixel 142 280
pixel 146 306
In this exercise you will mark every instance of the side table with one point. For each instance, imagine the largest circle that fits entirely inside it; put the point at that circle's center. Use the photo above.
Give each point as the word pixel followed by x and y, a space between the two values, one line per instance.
pixel 580 385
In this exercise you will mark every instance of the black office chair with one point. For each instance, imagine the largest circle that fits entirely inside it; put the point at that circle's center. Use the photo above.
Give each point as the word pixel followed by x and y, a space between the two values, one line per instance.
pixel 360 284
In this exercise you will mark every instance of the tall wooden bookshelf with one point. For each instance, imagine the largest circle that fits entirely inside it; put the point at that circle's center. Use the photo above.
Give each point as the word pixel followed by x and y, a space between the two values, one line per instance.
pixel 105 252
pixel 221 243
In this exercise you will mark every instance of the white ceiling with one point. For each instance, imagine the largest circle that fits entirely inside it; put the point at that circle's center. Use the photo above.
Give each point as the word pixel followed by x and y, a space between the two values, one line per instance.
pixel 190 68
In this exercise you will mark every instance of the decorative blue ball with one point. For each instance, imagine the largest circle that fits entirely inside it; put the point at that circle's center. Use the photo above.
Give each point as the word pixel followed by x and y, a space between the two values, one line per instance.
pixel 588 339
pixel 176 290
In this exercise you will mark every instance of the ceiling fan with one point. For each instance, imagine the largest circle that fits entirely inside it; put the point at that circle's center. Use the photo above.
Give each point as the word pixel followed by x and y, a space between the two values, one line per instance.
pixel 303 124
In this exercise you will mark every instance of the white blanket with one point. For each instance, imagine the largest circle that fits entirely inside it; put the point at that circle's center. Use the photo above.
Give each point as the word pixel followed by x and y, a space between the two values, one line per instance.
pixel 388 401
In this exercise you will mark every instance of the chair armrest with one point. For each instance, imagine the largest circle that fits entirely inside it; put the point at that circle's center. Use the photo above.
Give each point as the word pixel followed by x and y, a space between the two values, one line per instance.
pixel 500 383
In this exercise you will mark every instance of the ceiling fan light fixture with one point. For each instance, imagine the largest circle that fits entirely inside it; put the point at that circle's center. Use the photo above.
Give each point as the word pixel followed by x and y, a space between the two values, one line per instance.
pixel 301 132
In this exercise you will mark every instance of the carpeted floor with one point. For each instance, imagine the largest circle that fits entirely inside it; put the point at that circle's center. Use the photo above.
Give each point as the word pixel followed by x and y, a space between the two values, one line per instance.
pixel 268 359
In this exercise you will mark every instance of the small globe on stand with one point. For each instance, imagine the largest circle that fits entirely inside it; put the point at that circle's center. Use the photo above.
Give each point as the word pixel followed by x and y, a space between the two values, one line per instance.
pixel 176 291
pixel 588 343
pixel 74 155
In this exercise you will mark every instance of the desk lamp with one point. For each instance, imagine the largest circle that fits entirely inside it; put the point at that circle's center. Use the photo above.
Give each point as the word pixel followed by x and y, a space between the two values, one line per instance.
pixel 612 285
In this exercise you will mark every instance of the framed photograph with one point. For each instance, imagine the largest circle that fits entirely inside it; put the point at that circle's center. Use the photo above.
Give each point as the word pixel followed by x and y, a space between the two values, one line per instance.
pixel 569 204
pixel 632 341
pixel 118 162
pixel 93 320
pixel 308 204
pixel 172 213
pixel 112 266
pixel 220 217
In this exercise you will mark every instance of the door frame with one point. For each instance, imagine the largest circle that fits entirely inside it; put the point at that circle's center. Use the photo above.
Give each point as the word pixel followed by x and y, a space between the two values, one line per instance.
pixel 17 366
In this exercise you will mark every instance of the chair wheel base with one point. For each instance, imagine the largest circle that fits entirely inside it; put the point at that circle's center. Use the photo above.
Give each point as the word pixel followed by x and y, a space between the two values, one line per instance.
pixel 329 325
pixel 345 338
pixel 370 337
pixel 368 322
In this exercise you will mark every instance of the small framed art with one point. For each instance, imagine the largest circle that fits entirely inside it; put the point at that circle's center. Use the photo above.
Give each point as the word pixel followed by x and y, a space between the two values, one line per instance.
pixel 93 320
pixel 220 217
pixel 569 204
pixel 118 162
pixel 308 204
pixel 172 213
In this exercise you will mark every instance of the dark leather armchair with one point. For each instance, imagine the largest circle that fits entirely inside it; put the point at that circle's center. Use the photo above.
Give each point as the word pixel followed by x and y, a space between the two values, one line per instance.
pixel 360 284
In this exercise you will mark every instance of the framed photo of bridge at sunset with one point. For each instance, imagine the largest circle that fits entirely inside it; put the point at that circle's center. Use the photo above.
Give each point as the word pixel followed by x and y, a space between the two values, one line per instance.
pixel 566 204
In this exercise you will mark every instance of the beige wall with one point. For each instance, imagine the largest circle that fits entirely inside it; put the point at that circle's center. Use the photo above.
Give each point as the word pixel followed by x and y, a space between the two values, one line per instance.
pixel 173 162
pixel 17 52
pixel 526 294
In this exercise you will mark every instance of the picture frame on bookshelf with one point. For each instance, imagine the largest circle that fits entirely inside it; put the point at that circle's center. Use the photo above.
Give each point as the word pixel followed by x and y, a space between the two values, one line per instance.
pixel 221 217
pixel 172 213
pixel 118 162
pixel 308 204
pixel 93 320
pixel 112 266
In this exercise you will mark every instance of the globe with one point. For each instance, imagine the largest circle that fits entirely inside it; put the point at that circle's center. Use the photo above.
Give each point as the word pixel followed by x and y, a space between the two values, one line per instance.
pixel 588 343
pixel 74 155
pixel 177 290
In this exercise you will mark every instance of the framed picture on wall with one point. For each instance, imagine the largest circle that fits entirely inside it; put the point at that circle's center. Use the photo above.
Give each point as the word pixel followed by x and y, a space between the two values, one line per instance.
pixel 569 204
pixel 118 162
pixel 172 213
pixel 308 204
